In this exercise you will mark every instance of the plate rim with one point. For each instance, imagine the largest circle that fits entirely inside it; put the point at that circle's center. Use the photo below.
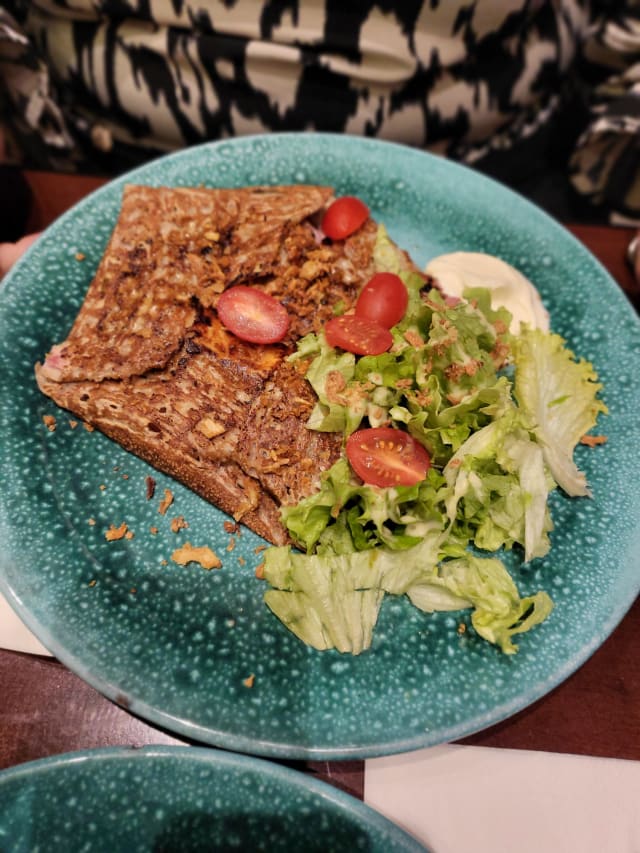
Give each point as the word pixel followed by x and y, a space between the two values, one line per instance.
pixel 290 778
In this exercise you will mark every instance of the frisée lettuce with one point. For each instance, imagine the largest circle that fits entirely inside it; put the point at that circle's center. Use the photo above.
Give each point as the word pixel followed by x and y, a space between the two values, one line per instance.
pixel 500 416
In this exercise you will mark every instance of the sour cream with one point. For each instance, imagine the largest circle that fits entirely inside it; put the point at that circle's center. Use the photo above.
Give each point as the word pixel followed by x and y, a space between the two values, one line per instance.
pixel 458 271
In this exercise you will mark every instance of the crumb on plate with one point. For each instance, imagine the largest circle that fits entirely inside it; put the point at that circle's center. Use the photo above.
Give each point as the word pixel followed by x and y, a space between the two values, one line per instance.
pixel 114 533
pixel 178 523
pixel 166 501
pixel 203 555
pixel 593 440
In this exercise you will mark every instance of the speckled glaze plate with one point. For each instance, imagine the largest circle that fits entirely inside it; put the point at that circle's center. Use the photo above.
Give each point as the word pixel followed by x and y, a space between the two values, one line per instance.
pixel 197 652
pixel 182 799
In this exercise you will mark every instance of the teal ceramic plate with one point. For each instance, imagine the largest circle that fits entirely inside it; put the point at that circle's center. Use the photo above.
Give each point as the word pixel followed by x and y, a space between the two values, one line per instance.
pixel 176 645
pixel 182 799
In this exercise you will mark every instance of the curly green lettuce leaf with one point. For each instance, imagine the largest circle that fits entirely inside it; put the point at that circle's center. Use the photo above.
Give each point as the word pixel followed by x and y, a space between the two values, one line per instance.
pixel 559 394
pixel 499 488
pixel 333 601
pixel 485 585
pixel 346 515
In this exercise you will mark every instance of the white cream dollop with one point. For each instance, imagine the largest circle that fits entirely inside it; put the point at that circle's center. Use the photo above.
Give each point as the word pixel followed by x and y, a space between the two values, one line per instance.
pixel 458 271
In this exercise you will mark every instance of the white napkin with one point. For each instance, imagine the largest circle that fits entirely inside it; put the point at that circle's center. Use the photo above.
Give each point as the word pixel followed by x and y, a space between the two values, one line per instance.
pixel 14 634
pixel 456 799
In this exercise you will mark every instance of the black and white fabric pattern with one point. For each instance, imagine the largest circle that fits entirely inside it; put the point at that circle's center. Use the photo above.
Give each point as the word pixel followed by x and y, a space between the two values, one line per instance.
pixel 102 85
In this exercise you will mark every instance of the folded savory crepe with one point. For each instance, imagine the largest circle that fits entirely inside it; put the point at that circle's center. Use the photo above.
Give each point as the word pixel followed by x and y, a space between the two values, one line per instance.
pixel 148 363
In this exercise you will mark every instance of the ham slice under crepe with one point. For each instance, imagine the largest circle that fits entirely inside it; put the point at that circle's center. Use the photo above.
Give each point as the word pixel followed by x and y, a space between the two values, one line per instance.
pixel 148 363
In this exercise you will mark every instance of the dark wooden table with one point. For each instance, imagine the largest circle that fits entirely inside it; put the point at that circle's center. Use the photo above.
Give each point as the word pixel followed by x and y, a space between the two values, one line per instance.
pixel 45 709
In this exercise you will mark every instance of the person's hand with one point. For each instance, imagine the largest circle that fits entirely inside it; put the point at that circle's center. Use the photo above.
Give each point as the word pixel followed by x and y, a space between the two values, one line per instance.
pixel 10 252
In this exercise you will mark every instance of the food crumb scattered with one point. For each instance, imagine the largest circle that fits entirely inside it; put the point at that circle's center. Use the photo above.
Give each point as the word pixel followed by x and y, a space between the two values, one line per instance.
pixel 166 501
pixel 50 422
pixel 413 338
pixel 232 544
pixel 92 582
pixel 91 522
pixel 207 558
pixel 151 487
pixel 259 549
pixel 178 523
pixel 102 487
pixel 231 527
pixel 153 530
pixel 80 256
pixel 260 571
pixel 88 427
pixel 73 424
pixel 593 440
pixel 125 476
pixel 114 533
pixel 249 681
pixel 242 561
pixel 129 534
pixel 462 628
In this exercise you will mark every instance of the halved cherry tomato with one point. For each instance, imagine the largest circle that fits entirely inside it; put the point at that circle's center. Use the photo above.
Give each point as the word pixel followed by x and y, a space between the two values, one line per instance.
pixel 253 315
pixel 384 457
pixel 357 335
pixel 384 299
pixel 344 216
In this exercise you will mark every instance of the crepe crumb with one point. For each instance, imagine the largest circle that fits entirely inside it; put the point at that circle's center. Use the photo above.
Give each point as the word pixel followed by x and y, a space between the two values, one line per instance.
pixel 153 530
pixel 593 440
pixel 50 422
pixel 88 427
pixel 151 487
pixel 231 527
pixel 413 338
pixel 207 558
pixel 259 549
pixel 260 571
pixel 80 256
pixel 232 544
pixel 178 523
pixel 166 501
pixel 114 533
pixel 91 522
pixel 249 681
pixel 102 487
pixel 242 561
pixel 73 424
